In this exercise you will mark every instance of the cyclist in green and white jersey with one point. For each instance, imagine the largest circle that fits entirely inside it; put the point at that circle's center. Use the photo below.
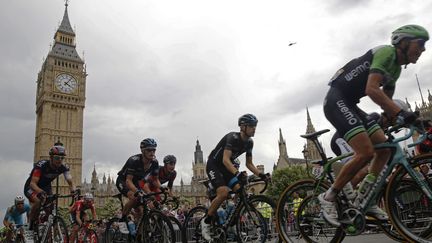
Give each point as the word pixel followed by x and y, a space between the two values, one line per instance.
pixel 374 74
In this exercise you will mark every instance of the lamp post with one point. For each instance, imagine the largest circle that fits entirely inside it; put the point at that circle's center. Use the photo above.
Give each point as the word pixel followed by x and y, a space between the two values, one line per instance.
pixel 305 155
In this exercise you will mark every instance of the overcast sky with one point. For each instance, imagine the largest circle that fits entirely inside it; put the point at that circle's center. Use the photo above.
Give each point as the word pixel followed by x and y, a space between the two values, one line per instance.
pixel 179 71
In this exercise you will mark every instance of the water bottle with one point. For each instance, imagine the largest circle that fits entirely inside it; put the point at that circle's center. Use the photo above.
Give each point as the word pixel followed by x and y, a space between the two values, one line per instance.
pixel 364 188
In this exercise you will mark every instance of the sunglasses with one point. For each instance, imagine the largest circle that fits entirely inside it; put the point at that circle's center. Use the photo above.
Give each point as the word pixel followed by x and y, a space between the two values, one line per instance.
pixel 55 157
pixel 20 203
pixel 148 150
pixel 420 42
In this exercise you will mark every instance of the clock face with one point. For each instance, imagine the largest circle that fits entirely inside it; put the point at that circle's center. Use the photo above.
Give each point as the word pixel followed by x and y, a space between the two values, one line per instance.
pixel 66 83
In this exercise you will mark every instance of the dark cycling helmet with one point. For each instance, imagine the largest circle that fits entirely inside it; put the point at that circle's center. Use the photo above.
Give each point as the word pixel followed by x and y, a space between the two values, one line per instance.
pixel 19 199
pixel 170 159
pixel 248 120
pixel 411 31
pixel 148 143
pixel 57 150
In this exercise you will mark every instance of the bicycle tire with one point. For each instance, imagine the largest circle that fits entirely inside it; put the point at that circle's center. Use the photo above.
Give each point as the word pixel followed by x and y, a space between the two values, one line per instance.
pixel 192 225
pixel 265 201
pixel 285 223
pixel 91 236
pixel 312 226
pixel 406 201
pixel 387 227
pixel 155 227
pixel 258 226
pixel 60 232
pixel 176 224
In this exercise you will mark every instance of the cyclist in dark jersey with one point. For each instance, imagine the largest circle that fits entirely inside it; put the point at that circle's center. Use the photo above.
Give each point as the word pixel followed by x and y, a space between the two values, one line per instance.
pixel 139 169
pixel 364 76
pixel 221 171
pixel 167 172
pixel 38 185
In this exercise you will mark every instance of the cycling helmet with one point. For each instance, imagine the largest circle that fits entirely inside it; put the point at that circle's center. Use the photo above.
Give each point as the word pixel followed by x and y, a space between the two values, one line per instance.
pixel 148 143
pixel 88 197
pixel 411 31
pixel 248 120
pixel 170 159
pixel 19 199
pixel 57 150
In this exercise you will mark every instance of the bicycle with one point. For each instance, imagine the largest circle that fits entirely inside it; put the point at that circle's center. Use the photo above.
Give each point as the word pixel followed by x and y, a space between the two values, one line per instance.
pixel 153 227
pixel 352 217
pixel 249 222
pixel 173 203
pixel 87 234
pixel 49 227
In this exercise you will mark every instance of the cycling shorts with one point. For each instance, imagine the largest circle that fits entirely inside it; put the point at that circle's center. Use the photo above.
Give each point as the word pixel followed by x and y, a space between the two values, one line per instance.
pixel 219 175
pixel 348 119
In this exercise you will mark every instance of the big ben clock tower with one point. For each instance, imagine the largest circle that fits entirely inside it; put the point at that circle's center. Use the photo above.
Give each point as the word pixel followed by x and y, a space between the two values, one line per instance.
pixel 60 100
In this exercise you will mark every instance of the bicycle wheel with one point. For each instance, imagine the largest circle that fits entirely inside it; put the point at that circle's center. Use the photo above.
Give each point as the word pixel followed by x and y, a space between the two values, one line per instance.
pixel 192 225
pixel 386 226
pixel 177 226
pixel 91 236
pixel 410 209
pixel 267 207
pixel 251 225
pixel 57 231
pixel 286 207
pixel 156 227
pixel 113 234
pixel 312 226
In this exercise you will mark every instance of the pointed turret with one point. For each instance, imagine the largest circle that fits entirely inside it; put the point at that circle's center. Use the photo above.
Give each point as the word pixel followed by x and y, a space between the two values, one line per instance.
pixel 65 25
pixel 199 158
pixel 310 150
pixel 104 179
pixel 283 160
pixel 64 41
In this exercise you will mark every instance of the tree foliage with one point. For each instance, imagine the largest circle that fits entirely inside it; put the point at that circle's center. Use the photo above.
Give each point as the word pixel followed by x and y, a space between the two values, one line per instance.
pixel 282 178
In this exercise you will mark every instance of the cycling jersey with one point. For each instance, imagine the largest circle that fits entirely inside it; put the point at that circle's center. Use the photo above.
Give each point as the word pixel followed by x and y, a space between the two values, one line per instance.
pixel 15 216
pixel 166 176
pixel 80 206
pixel 46 174
pixel 348 85
pixel 352 78
pixel 134 166
pixel 217 172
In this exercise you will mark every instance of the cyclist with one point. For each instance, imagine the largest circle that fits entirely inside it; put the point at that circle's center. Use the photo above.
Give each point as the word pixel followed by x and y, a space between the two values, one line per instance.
pixel 38 185
pixel 78 214
pixel 14 215
pixel 426 145
pixel 167 172
pixel 133 177
pixel 364 76
pixel 221 171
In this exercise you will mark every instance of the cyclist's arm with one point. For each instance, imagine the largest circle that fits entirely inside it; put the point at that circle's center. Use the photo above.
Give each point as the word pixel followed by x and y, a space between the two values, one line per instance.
pixel 6 222
pixel 68 177
pixel 378 96
pixel 130 184
pixel 251 166
pixel 227 161
pixel 93 210
pixel 78 217
pixel 34 182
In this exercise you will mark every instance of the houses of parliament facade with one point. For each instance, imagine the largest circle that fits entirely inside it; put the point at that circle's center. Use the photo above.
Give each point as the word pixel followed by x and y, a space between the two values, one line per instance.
pixel 60 102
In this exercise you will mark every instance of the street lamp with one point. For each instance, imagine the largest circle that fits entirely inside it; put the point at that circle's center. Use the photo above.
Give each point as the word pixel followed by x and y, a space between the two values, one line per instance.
pixel 305 155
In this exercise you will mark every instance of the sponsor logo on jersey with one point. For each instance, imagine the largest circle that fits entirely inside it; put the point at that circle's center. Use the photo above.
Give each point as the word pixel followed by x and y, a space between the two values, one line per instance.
pixel 212 175
pixel 349 116
pixel 357 71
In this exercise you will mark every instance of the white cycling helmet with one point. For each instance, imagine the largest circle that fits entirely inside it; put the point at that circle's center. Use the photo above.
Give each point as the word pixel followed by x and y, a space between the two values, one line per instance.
pixel 19 199
pixel 401 104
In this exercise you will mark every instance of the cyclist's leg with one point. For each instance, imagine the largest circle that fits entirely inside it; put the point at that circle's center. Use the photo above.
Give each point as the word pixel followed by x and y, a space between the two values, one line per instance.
pixel 381 155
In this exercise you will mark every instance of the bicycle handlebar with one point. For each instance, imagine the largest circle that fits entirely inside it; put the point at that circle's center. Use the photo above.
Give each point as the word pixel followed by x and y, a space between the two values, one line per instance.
pixel 253 179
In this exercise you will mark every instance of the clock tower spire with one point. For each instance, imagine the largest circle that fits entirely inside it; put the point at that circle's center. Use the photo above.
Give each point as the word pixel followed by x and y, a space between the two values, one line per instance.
pixel 60 101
